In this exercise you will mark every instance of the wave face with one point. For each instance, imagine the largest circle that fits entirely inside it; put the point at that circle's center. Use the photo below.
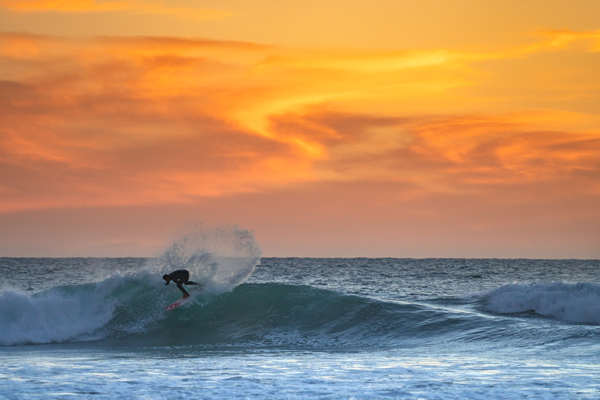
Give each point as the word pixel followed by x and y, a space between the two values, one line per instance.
pixel 287 316
pixel 576 303
pixel 130 309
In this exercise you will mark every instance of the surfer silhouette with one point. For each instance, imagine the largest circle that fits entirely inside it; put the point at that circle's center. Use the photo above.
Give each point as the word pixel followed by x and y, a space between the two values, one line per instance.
pixel 180 277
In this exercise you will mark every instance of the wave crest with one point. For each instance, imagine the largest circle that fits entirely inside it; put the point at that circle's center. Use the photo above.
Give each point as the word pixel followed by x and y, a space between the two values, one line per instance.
pixel 577 303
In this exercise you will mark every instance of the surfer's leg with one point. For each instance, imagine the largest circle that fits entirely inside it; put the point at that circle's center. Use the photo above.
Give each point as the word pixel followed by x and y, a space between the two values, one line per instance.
pixel 185 294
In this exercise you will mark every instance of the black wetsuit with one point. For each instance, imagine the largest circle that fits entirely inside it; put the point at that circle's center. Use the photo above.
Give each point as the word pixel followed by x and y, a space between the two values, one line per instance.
pixel 180 277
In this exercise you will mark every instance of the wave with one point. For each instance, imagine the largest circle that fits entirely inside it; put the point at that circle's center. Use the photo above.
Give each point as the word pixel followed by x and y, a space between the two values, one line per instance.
pixel 130 309
pixel 575 303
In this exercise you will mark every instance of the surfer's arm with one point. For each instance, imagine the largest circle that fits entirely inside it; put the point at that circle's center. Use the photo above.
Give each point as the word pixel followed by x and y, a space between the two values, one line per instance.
pixel 199 284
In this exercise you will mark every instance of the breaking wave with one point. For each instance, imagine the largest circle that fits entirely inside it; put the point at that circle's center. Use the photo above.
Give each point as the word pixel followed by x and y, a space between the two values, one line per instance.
pixel 576 303
pixel 129 311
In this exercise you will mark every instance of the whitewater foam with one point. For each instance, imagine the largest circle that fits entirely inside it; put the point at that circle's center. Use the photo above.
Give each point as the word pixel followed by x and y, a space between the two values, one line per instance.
pixel 576 303
pixel 55 315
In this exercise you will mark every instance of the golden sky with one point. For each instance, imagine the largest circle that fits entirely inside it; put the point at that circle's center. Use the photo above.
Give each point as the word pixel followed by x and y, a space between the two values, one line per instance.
pixel 447 128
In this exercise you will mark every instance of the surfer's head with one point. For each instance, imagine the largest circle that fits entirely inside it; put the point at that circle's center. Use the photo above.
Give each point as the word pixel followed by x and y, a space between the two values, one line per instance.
pixel 167 278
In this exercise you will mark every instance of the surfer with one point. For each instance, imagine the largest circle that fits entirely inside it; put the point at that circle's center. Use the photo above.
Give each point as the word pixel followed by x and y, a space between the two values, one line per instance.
pixel 180 277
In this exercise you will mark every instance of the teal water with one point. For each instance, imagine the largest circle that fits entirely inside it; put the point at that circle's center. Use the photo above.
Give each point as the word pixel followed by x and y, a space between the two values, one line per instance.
pixel 301 328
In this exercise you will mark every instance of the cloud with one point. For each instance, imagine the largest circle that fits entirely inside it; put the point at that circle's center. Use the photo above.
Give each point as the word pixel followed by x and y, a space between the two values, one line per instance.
pixel 151 120
pixel 102 125
pixel 461 153
pixel 561 38
pixel 131 6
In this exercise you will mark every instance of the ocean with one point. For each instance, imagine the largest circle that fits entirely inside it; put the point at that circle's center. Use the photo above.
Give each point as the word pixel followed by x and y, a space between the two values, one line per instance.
pixel 298 328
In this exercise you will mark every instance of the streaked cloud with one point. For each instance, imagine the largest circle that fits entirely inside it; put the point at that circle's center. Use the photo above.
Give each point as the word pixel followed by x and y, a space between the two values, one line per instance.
pixel 565 37
pixel 153 120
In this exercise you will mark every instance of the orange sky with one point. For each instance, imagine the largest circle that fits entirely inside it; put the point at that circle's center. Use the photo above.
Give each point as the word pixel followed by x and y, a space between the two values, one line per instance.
pixel 331 128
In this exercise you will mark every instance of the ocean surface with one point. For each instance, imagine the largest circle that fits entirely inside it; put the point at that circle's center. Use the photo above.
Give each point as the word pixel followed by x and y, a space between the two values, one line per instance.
pixel 298 327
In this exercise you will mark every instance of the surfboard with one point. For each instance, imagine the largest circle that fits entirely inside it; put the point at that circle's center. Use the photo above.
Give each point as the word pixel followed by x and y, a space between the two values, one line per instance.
pixel 178 303
pixel 181 301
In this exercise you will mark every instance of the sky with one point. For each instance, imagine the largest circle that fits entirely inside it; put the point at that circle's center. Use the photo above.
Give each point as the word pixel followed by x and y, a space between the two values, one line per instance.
pixel 330 128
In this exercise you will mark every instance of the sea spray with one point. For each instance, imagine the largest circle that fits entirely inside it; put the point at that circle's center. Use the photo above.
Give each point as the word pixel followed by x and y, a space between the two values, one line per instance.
pixel 219 257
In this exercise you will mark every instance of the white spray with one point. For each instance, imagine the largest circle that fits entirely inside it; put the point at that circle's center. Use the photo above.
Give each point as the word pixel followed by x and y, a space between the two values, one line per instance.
pixel 220 257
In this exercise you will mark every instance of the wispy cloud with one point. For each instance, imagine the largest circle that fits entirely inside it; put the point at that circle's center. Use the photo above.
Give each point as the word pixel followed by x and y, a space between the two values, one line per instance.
pixel 561 38
pixel 125 121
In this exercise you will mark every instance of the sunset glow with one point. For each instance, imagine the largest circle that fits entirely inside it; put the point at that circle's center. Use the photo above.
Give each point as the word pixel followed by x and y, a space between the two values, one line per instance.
pixel 112 120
